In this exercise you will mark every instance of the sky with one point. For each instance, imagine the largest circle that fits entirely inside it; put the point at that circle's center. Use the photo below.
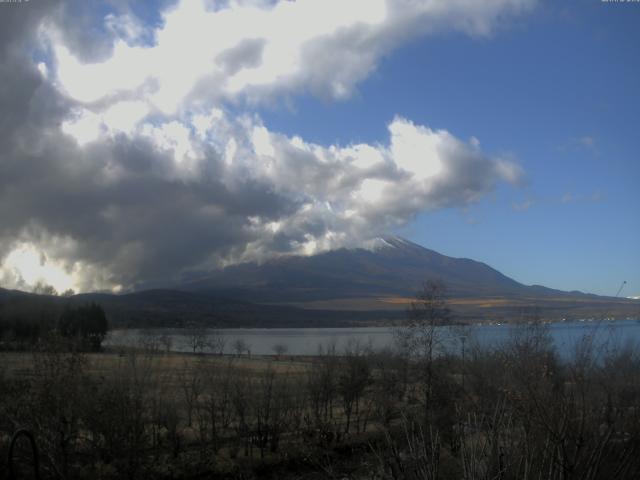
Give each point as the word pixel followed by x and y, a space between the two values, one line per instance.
pixel 142 142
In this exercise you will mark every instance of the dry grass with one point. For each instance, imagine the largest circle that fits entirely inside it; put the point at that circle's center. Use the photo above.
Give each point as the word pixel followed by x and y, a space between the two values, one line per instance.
pixel 104 364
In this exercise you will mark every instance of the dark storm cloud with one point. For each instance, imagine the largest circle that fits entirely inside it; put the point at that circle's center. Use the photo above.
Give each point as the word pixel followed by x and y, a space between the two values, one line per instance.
pixel 138 226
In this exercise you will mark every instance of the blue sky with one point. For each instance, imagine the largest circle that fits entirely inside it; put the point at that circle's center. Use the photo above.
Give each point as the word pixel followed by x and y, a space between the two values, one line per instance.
pixel 558 90
pixel 178 136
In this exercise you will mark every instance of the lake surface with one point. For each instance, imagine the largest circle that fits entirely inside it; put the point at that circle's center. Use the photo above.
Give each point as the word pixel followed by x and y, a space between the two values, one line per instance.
pixel 307 341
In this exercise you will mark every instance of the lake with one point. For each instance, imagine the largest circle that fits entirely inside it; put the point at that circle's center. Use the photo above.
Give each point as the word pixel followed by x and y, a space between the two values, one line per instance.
pixel 306 341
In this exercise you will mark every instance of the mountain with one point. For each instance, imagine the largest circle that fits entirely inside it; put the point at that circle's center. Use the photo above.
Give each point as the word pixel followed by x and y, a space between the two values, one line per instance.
pixel 393 267
pixel 346 287
pixel 387 277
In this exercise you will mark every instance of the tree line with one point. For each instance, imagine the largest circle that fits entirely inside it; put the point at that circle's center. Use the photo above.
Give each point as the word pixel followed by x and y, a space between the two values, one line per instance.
pixel 27 320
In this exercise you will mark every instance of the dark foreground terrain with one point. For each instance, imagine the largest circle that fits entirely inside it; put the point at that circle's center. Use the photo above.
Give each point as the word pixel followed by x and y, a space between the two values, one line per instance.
pixel 513 412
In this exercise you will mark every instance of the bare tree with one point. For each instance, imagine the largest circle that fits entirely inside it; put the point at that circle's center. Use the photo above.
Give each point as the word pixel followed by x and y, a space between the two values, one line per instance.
pixel 280 349
pixel 149 341
pixel 42 288
pixel 241 401
pixel 216 341
pixel 54 400
pixel 389 385
pixel 196 339
pixel 355 376
pixel 191 385
pixel 240 346
pixel 166 341
pixel 422 335
pixel 414 454
pixel 216 406
pixel 118 416
pixel 321 387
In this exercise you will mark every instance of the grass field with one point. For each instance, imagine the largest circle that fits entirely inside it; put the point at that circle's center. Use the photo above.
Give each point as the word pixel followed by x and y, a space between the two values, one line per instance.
pixel 506 309
pixel 15 364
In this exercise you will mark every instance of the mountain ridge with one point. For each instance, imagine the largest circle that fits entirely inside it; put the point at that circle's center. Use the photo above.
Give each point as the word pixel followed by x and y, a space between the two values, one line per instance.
pixel 343 287
pixel 394 266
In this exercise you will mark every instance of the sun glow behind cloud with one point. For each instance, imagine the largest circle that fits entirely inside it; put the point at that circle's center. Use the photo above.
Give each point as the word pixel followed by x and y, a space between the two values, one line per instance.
pixel 28 267
pixel 84 127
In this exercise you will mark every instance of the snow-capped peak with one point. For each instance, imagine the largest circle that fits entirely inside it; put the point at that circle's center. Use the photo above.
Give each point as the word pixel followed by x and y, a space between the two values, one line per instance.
pixel 381 243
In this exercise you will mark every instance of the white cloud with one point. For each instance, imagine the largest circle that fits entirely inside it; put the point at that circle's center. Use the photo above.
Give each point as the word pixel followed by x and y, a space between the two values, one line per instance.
pixel 89 82
pixel 44 71
pixel 262 142
pixel 84 127
pixel 254 50
pixel 125 116
pixel 373 190
pixel 350 193
pixel 87 126
pixel 174 137
pixel 418 149
pixel 520 207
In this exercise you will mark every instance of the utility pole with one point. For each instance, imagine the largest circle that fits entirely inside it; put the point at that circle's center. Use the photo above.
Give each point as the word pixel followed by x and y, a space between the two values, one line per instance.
pixel 624 282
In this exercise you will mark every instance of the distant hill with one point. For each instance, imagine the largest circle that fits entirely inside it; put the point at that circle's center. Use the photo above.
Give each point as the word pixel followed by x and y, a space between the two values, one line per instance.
pixel 174 308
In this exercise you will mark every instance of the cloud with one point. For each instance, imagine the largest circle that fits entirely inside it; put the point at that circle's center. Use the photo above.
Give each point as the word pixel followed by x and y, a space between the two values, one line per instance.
pixel 524 206
pixel 570 197
pixel 255 50
pixel 175 197
pixel 124 167
pixel 584 143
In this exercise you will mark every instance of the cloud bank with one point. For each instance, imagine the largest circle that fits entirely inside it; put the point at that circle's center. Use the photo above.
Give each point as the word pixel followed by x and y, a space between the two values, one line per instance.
pixel 123 164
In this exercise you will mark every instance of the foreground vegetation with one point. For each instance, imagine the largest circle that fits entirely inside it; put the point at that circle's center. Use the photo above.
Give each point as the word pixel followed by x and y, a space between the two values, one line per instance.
pixel 513 412
pixel 431 408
